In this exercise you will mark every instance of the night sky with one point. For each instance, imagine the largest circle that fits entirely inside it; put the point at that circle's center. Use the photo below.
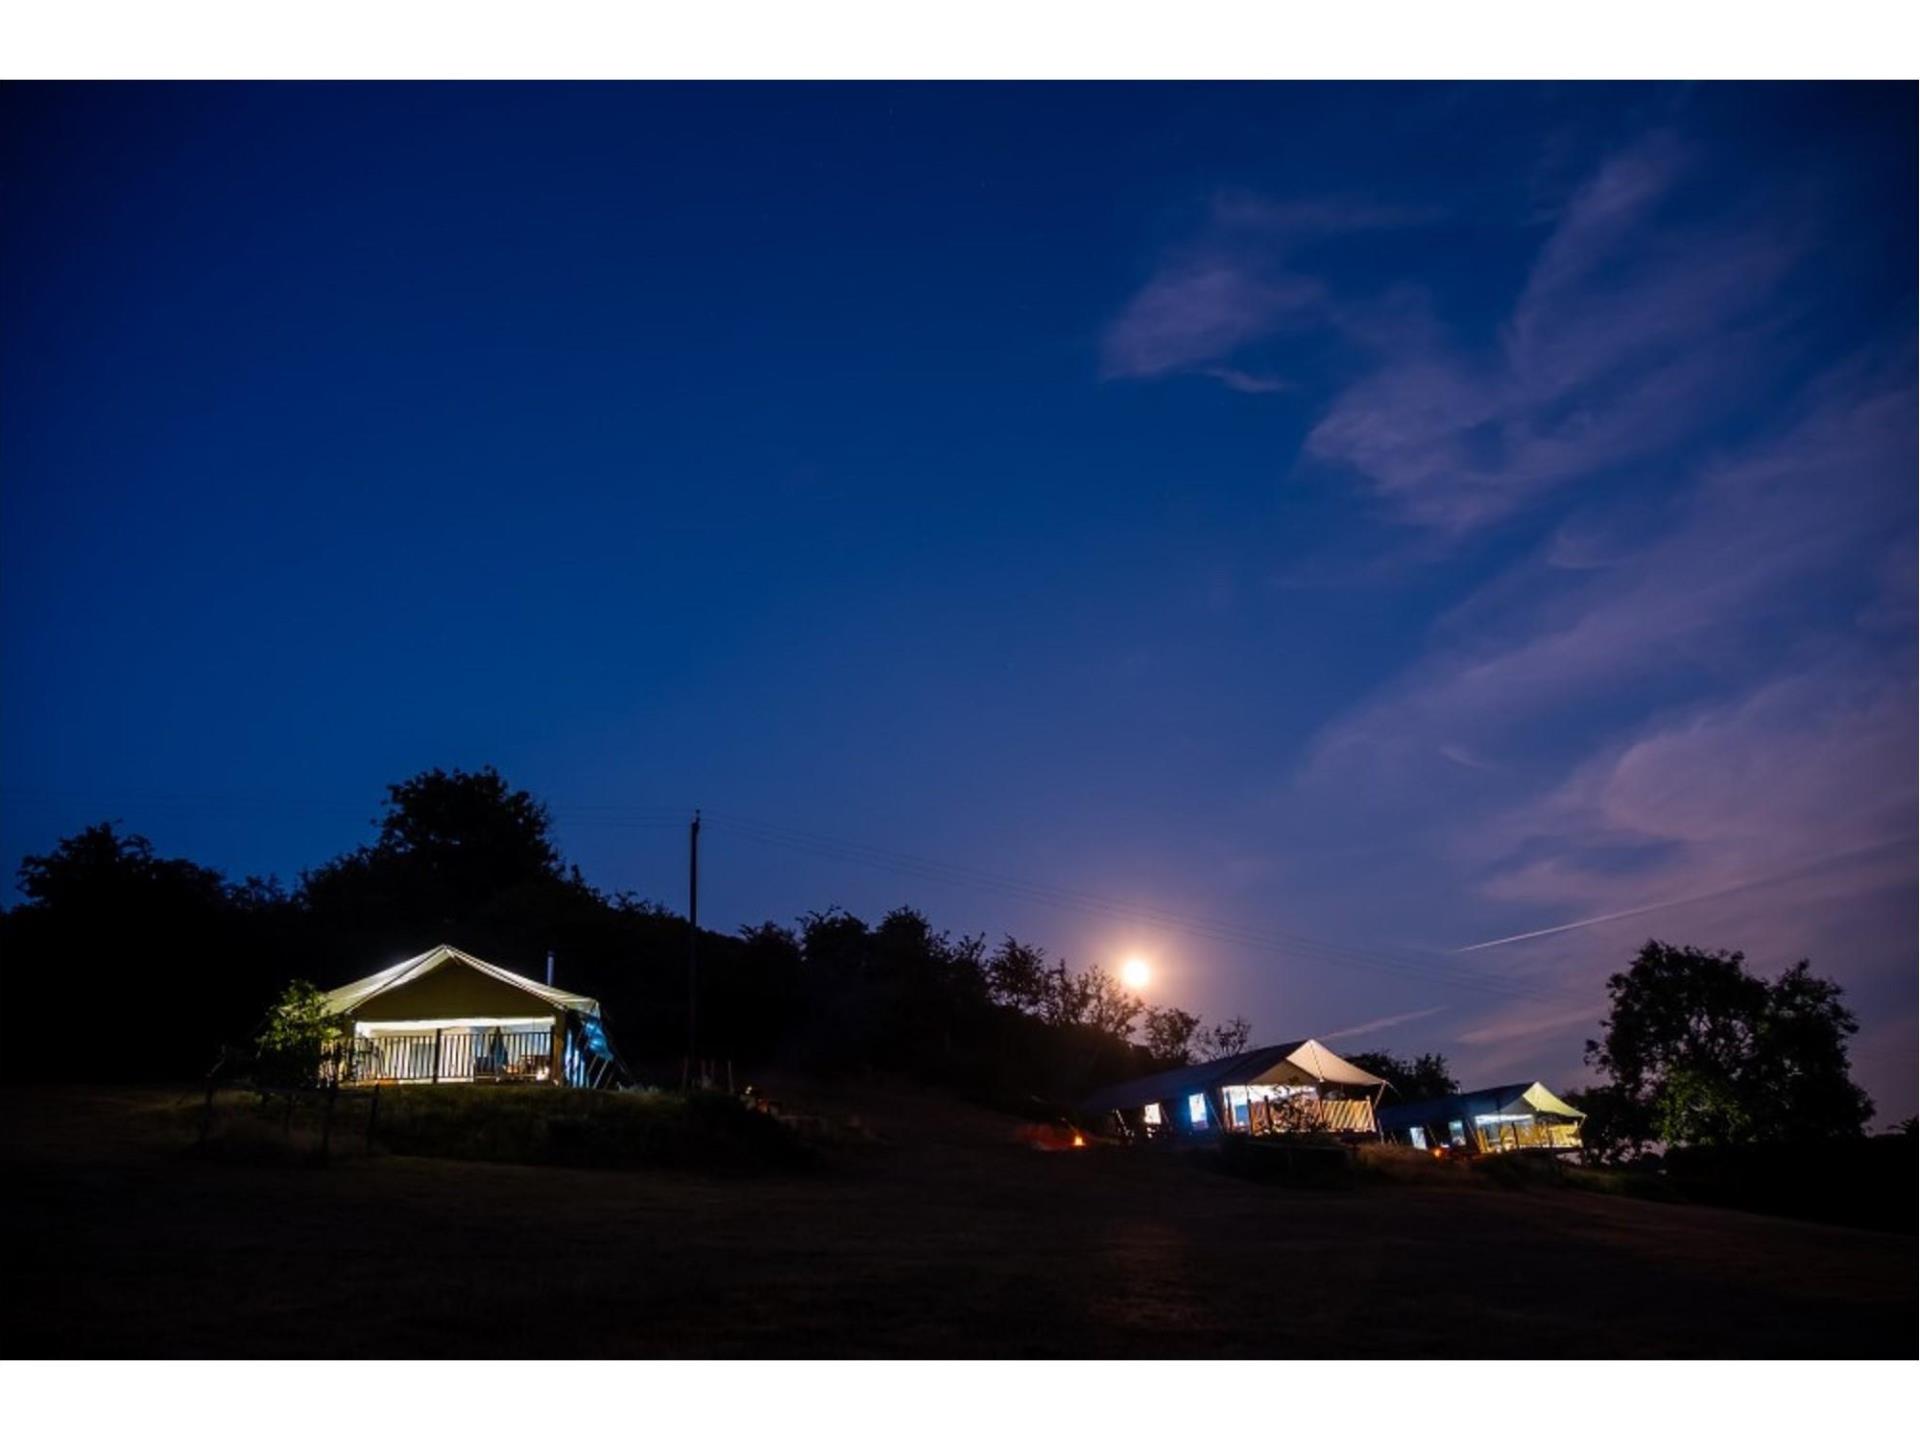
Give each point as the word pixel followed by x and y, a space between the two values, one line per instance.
pixel 1295 531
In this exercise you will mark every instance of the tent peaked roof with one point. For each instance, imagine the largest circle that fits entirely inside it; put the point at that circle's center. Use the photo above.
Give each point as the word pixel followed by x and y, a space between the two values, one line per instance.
pixel 1325 1065
pixel 1294 1063
pixel 349 998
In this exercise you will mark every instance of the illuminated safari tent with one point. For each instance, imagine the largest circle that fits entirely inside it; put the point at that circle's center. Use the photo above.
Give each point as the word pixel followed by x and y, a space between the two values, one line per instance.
pixel 1299 1086
pixel 1507 1117
pixel 447 1017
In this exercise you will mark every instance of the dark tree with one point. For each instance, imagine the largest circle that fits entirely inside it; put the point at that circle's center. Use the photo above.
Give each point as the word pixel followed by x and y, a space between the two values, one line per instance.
pixel 1425 1077
pixel 460 856
pixel 1613 1126
pixel 1169 1035
pixel 926 986
pixel 1109 1008
pixel 1217 1042
pixel 1017 975
pixel 1091 997
pixel 104 872
pixel 1803 1085
pixel 1700 1051
pixel 139 965
pixel 470 825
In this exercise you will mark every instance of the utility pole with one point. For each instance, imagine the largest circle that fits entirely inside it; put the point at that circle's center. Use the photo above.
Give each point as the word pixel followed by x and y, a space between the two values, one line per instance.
pixel 693 940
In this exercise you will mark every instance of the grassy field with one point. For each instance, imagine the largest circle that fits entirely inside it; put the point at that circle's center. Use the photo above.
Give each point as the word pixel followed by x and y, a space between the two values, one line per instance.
pixel 518 1125
pixel 922 1229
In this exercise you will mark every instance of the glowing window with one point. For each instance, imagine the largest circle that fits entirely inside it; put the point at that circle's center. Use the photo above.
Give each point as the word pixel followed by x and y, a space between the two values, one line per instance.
pixel 1457 1131
pixel 1417 1136
pixel 1152 1115
pixel 1197 1111
pixel 1237 1106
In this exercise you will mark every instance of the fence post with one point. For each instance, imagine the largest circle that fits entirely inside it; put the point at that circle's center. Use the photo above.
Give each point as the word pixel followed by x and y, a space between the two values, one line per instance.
pixel 436 1056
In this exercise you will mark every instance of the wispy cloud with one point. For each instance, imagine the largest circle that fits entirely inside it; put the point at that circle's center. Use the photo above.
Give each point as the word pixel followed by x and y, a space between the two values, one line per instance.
pixel 1531 1040
pixel 1637 323
pixel 1246 382
pixel 1191 316
pixel 1633 329
pixel 1699 600
pixel 1385 1022
pixel 1460 755
pixel 1810 771
pixel 1234 284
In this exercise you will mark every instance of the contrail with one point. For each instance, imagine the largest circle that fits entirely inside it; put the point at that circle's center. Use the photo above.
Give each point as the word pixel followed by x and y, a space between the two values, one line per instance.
pixel 1682 900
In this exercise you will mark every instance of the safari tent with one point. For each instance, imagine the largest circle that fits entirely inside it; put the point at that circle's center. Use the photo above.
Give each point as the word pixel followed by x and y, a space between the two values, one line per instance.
pixel 1299 1086
pixel 447 1017
pixel 1507 1117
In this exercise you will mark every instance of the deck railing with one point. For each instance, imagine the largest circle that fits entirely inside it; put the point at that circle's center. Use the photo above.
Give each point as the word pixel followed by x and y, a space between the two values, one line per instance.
pixel 1527 1135
pixel 450 1056
pixel 1303 1113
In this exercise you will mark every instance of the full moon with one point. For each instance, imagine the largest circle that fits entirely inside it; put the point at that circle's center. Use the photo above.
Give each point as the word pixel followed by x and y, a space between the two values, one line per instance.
pixel 1135 973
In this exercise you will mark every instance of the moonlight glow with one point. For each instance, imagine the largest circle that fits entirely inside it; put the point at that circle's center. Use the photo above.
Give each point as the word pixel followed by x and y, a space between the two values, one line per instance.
pixel 1134 973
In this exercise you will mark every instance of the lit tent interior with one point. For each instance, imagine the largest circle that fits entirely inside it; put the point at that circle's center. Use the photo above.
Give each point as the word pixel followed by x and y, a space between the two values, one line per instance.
pixel 449 1017
pixel 1506 1117
pixel 1301 1084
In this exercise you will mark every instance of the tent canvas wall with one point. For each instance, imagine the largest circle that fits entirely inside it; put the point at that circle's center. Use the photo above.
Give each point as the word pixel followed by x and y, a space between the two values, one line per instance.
pixel 446 1017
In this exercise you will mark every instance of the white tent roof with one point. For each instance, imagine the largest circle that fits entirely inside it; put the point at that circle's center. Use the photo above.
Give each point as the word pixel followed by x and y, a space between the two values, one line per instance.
pixel 349 998
pixel 1323 1064
pixel 1537 1097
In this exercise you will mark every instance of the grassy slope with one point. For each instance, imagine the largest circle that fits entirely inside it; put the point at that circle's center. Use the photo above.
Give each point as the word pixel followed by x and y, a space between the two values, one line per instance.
pixel 521 1124
pixel 940 1238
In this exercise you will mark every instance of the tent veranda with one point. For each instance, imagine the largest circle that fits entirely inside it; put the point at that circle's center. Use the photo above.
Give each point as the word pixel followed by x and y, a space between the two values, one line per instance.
pixel 445 1016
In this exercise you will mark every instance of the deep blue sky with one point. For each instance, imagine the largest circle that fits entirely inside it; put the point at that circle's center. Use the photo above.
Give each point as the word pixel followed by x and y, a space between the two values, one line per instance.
pixel 1383 517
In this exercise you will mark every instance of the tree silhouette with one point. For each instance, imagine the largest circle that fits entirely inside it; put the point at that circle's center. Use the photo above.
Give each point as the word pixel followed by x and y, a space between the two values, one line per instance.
pixel 457 853
pixel 1425 1077
pixel 136 964
pixel 1169 1035
pixel 1017 975
pixel 1700 1051
pixel 1230 1038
